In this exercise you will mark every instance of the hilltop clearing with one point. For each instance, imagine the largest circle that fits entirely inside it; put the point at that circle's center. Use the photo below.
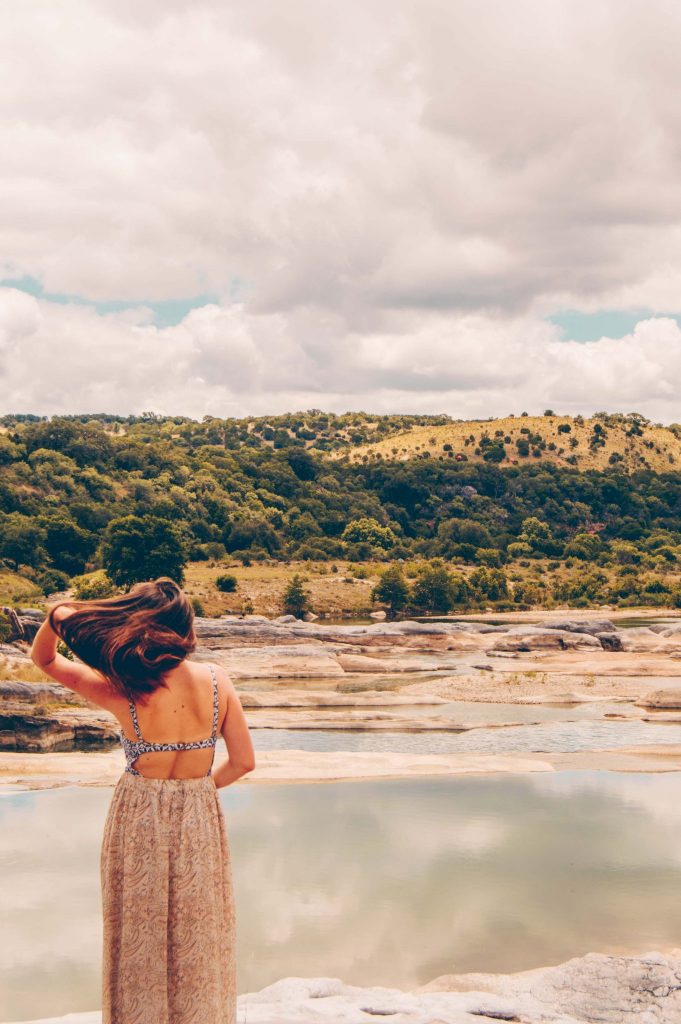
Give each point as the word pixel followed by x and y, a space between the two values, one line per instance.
pixel 603 441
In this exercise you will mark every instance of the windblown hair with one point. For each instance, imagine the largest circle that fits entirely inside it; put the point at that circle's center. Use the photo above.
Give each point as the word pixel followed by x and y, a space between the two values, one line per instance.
pixel 135 639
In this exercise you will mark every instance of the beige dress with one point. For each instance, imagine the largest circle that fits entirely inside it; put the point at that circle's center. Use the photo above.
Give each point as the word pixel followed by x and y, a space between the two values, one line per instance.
pixel 167 895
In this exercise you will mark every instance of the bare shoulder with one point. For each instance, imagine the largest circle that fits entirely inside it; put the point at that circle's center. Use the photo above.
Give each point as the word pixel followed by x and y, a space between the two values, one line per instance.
pixel 226 688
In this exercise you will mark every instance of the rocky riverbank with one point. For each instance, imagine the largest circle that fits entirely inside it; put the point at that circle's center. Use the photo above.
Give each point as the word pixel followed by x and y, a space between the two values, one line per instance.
pixel 293 674
pixel 597 987
pixel 53 770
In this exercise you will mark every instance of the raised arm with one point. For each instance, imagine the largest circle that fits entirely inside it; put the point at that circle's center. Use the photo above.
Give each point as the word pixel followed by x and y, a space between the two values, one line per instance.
pixel 240 753
pixel 75 675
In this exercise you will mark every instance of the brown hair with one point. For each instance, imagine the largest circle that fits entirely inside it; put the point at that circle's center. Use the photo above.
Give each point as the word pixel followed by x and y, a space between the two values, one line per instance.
pixel 134 639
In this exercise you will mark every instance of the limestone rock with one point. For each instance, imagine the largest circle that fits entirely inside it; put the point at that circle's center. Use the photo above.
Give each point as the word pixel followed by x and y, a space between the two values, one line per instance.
pixel 592 626
pixel 595 987
pixel 647 642
pixel 667 698
pixel 23 728
pixel 533 638
pixel 331 699
pixel 361 663
pixel 610 641
pixel 38 693
pixel 674 630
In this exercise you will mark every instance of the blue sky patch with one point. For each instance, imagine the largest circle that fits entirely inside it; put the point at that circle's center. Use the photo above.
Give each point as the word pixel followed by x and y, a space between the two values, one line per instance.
pixel 605 323
pixel 166 313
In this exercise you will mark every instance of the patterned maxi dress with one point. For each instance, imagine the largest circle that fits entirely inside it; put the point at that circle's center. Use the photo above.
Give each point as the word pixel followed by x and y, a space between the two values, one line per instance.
pixel 167 896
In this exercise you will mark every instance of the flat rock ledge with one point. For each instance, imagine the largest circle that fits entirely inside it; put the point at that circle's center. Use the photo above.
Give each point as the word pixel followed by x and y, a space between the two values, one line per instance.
pixel 596 987
pixel 51 770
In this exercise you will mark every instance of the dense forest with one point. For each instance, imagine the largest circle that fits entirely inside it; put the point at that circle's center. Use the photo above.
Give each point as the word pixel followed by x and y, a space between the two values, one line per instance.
pixel 75 490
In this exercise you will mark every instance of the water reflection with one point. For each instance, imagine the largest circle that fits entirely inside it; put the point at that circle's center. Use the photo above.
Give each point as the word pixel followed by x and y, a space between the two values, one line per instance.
pixel 390 882
pixel 544 737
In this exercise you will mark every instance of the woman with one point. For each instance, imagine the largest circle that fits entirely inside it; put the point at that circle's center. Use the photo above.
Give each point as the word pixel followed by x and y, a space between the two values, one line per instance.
pixel 168 903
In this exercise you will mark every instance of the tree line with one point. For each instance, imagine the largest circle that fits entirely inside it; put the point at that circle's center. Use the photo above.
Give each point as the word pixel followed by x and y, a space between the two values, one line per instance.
pixel 149 494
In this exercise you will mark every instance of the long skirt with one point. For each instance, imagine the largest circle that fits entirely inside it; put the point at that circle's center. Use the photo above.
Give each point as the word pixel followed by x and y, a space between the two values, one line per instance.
pixel 168 905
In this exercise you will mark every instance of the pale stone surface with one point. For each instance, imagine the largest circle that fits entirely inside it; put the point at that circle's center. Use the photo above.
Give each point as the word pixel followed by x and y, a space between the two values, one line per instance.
pixel 281 698
pixel 596 987
pixel 668 697
pixel 47 771
pixel 530 638
pixel 360 663
pixel 362 719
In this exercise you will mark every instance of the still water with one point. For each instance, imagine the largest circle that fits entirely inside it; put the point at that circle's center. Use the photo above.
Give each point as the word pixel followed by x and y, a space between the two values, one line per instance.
pixel 547 737
pixel 389 882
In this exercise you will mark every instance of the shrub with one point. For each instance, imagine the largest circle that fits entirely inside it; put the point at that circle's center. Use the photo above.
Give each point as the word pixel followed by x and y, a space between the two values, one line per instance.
pixel 437 590
pixel 295 600
pixel 488 556
pixel 226 583
pixel 197 606
pixel 92 588
pixel 392 589
pixel 368 531
pixel 52 580
pixel 5 629
pixel 518 549
pixel 489 583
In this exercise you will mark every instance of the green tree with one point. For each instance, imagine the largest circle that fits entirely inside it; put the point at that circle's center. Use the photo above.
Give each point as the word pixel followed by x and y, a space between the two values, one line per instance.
pixel 368 531
pixel 583 545
pixel 92 587
pixel 490 583
pixel 465 531
pixel 435 590
pixel 536 533
pixel 296 600
pixel 21 540
pixel 52 580
pixel 226 583
pixel 136 549
pixel 392 589
pixel 68 545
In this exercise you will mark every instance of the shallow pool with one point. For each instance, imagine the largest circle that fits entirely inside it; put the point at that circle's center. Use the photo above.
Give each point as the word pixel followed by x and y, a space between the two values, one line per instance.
pixel 550 736
pixel 388 882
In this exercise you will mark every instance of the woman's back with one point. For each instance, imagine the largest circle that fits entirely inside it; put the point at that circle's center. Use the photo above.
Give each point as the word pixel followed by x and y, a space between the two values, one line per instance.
pixel 167 896
pixel 172 734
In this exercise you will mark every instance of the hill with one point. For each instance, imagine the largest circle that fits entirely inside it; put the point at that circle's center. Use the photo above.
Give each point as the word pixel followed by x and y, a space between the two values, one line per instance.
pixel 598 498
pixel 325 432
pixel 630 442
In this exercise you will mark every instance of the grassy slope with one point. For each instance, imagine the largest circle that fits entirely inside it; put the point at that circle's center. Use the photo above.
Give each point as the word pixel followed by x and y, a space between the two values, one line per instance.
pixel 264 584
pixel 16 589
pixel 658 449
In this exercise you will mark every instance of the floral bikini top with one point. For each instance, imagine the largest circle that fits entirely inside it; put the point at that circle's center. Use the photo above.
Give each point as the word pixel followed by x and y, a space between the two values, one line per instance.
pixel 133 748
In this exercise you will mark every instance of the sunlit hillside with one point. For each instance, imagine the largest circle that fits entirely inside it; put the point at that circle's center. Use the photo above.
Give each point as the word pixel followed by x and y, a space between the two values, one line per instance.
pixel 602 441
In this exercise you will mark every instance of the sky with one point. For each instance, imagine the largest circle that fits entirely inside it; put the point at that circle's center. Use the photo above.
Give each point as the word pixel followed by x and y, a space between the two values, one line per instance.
pixel 419 206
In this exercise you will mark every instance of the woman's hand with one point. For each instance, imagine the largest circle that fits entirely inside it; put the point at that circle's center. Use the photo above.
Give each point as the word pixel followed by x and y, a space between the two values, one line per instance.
pixel 76 676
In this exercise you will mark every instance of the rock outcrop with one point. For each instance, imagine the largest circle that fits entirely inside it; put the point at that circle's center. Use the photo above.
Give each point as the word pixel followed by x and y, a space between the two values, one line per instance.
pixel 23 729
pixel 24 623
pixel 595 987
pixel 668 698
pixel 41 717
pixel 535 638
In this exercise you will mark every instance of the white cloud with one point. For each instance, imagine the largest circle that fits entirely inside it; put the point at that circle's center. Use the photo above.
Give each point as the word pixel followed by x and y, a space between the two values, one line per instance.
pixel 395 194
pixel 230 361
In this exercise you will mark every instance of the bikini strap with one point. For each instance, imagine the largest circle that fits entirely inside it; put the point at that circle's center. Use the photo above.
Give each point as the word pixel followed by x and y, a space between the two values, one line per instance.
pixel 216 706
pixel 133 715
